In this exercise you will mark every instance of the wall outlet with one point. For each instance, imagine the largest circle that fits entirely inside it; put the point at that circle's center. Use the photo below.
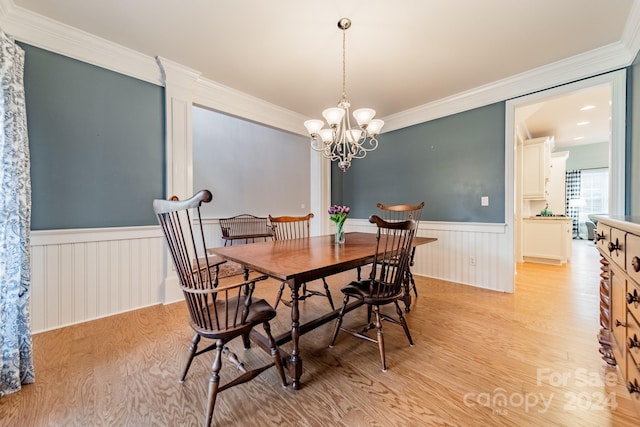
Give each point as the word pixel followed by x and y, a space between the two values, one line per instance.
pixel 484 201
pixel 472 261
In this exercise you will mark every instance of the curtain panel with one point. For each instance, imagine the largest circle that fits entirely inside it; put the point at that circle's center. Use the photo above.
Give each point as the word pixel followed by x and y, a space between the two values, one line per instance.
pixel 16 359
pixel 573 179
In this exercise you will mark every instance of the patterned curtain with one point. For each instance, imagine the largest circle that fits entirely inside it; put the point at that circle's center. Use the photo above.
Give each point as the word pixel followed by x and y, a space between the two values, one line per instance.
pixel 16 362
pixel 573 193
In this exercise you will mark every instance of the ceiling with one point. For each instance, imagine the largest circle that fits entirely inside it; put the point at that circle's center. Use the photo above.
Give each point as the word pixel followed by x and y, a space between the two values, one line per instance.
pixel 578 118
pixel 399 55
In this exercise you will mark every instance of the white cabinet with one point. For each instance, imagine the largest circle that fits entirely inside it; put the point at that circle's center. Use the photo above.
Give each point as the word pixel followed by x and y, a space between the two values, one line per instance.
pixel 547 240
pixel 557 187
pixel 536 167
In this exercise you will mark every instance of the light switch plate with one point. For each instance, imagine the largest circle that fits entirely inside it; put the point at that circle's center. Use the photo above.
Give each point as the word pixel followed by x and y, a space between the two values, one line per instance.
pixel 484 201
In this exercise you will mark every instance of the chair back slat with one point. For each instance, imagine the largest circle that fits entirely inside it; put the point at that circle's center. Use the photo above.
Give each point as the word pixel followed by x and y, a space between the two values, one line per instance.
pixel 290 227
pixel 394 240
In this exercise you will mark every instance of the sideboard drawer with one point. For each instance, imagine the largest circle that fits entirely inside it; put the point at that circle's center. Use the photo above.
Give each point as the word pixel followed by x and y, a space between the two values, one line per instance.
pixel 616 247
pixel 633 257
pixel 632 300
pixel 633 339
pixel 603 236
pixel 633 380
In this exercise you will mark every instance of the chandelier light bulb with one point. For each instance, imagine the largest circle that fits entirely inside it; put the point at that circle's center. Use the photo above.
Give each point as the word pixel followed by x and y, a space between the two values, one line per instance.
pixel 364 115
pixel 353 135
pixel 326 135
pixel 313 126
pixel 333 116
pixel 374 127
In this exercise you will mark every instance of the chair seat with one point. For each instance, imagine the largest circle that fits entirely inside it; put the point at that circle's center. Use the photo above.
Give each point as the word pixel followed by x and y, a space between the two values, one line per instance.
pixel 259 311
pixel 363 289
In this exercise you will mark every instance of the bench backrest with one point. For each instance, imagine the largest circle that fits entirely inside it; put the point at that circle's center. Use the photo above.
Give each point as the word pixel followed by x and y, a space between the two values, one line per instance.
pixel 244 225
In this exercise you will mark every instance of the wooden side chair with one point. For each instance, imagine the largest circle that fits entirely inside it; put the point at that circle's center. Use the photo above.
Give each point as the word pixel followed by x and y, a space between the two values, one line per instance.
pixel 397 213
pixel 217 312
pixel 385 284
pixel 296 227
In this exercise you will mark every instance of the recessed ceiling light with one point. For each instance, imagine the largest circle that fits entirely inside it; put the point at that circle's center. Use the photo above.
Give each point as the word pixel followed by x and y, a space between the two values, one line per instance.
pixel 578 138
pixel 588 107
pixel 582 123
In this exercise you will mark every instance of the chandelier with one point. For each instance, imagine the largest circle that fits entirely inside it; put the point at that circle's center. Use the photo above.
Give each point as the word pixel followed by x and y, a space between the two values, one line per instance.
pixel 340 141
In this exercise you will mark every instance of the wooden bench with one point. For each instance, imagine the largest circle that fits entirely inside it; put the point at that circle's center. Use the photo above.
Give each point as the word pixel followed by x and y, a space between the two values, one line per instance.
pixel 245 227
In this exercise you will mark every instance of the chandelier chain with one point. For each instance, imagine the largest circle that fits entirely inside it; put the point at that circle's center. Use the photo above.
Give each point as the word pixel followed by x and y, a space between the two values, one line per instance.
pixel 344 62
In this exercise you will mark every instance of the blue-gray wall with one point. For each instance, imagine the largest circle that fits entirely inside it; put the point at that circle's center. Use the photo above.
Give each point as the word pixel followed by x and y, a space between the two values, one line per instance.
pixel 96 139
pixel 589 156
pixel 448 163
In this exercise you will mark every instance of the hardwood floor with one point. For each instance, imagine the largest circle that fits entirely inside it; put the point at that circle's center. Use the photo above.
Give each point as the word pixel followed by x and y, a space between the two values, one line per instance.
pixel 480 358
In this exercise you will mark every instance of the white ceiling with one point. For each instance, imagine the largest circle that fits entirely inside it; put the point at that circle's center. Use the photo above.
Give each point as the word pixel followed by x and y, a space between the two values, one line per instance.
pixel 564 118
pixel 399 55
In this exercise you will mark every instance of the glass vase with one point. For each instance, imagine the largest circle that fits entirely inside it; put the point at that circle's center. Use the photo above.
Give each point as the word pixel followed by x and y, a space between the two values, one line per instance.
pixel 339 233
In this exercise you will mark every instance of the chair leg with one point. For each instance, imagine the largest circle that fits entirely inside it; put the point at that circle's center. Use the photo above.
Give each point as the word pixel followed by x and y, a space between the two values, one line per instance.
pixel 403 322
pixel 326 291
pixel 275 353
pixel 246 342
pixel 413 284
pixel 214 382
pixel 279 295
pixel 339 321
pixel 192 353
pixel 380 338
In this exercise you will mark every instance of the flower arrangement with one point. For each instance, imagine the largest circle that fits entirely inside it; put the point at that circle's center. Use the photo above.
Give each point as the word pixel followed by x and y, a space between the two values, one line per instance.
pixel 338 214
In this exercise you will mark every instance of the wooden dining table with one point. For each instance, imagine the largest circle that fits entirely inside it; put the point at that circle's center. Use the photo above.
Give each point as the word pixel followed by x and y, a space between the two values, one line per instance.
pixel 299 261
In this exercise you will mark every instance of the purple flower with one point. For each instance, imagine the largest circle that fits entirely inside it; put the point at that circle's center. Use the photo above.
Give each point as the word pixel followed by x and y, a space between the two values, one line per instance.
pixel 338 214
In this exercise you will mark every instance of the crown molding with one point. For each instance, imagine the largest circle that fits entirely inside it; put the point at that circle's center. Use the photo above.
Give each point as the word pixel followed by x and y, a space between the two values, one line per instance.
pixel 631 34
pixel 40 31
pixel 43 32
pixel 215 96
pixel 597 61
pixel 177 75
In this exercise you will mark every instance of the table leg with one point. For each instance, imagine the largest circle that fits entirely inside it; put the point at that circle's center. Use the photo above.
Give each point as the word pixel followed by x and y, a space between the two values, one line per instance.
pixel 406 297
pixel 295 360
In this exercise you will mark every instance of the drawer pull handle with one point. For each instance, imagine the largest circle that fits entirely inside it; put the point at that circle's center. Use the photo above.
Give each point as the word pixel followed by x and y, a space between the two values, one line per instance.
pixel 619 323
pixel 600 236
pixel 632 297
pixel 633 387
pixel 635 262
pixel 614 246
pixel 633 342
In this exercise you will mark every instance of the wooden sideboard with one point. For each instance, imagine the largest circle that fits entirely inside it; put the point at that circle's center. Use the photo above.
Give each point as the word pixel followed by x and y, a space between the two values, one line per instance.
pixel 618 241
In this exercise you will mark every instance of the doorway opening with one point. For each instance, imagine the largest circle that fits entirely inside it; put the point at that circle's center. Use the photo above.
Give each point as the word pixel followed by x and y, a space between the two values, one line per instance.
pixel 615 84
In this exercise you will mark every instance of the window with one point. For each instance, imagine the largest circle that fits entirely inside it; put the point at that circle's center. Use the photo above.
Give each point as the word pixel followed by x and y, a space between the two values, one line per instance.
pixel 595 192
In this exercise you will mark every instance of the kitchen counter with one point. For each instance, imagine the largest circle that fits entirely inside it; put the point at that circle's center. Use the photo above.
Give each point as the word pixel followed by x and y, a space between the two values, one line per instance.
pixel 549 218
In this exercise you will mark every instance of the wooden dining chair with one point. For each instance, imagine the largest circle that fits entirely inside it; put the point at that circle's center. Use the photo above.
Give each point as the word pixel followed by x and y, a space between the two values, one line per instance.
pixel 296 227
pixel 397 213
pixel 219 312
pixel 385 284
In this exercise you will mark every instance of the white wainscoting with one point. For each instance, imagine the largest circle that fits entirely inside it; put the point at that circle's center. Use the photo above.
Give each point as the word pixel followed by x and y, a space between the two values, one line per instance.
pixel 80 275
pixel 449 257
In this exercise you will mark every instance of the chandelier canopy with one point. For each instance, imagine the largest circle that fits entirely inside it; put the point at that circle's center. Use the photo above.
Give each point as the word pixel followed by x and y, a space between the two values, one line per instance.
pixel 340 141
